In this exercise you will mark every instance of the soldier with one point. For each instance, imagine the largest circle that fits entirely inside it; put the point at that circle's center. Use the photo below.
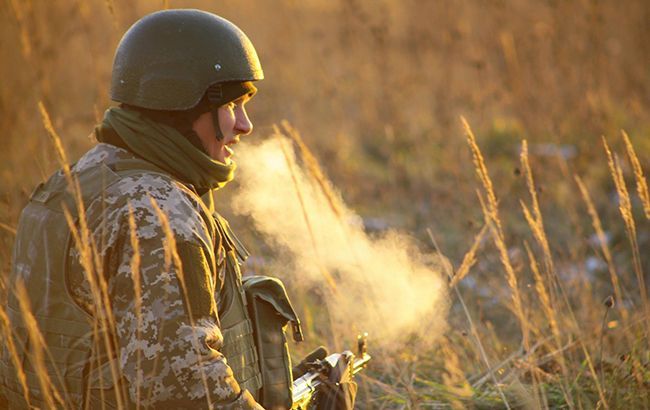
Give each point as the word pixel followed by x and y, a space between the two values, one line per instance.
pixel 177 334
pixel 133 280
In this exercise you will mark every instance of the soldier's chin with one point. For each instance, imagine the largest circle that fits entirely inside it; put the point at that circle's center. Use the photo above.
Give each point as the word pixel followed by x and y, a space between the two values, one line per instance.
pixel 224 159
pixel 226 153
pixel 222 156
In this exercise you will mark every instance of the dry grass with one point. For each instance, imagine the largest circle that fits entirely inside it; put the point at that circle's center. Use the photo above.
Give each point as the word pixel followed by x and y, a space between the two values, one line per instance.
pixel 641 182
pixel 376 88
pixel 13 353
pixel 51 396
pixel 625 208
pixel 490 209
pixel 137 290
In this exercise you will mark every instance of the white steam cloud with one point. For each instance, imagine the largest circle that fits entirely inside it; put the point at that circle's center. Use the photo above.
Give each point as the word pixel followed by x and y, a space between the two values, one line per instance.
pixel 381 285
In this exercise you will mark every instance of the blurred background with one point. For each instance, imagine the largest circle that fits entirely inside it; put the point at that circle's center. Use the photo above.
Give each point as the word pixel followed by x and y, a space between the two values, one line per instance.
pixel 376 89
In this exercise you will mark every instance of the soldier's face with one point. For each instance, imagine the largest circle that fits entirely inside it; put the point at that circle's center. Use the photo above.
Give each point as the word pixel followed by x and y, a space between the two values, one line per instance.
pixel 233 121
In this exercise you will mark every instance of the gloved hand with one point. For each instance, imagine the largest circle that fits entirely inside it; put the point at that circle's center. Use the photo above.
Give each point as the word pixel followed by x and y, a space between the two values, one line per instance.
pixel 339 390
pixel 303 367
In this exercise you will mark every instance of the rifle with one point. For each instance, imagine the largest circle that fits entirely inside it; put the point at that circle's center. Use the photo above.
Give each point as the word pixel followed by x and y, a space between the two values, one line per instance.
pixel 305 386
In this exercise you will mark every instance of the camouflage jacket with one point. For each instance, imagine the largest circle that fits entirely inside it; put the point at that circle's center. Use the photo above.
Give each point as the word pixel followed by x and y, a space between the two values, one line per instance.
pixel 158 355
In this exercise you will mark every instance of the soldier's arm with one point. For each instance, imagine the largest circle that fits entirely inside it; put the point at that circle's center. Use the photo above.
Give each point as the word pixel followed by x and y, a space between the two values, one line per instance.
pixel 167 361
pixel 178 362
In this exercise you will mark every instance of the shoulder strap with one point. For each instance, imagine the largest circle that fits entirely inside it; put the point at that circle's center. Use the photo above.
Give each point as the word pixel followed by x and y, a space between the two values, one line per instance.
pixel 231 242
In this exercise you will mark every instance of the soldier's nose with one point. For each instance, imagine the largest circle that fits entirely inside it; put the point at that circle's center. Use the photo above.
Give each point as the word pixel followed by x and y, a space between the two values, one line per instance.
pixel 244 125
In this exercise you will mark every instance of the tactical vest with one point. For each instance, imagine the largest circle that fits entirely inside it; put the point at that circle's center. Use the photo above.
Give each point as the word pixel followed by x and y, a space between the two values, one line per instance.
pixel 40 260
pixel 236 327
pixel 265 304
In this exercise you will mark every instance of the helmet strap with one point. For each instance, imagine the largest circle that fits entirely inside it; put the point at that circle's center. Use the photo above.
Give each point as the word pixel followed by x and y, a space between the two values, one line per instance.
pixel 221 93
pixel 215 122
pixel 215 96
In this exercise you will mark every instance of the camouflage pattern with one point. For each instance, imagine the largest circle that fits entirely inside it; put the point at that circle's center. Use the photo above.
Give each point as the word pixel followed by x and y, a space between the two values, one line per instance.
pixel 165 356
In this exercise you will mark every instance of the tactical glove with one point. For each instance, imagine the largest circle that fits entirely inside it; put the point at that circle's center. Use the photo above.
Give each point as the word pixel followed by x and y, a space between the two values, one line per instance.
pixel 339 390
pixel 303 367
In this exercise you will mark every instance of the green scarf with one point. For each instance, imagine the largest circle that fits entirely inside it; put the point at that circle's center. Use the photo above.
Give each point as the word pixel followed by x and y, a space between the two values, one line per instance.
pixel 168 149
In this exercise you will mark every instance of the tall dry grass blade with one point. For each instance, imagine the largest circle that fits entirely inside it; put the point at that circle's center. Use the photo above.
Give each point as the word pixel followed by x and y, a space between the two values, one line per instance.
pixel 625 208
pixel 482 173
pixel 110 323
pixel 137 295
pixel 8 228
pixel 544 297
pixel 111 10
pixel 535 220
pixel 609 302
pixel 90 258
pixel 285 151
pixel 314 168
pixel 511 277
pixel 539 235
pixel 13 353
pixel 93 366
pixel 84 12
pixel 111 331
pixel 51 396
pixel 594 375
pixel 454 377
pixel 507 42
pixel 73 183
pixel 56 141
pixel 172 258
pixel 584 349
pixel 370 299
pixel 491 212
pixel 536 223
pixel 550 313
pixel 102 314
pixel 469 259
pixel 604 247
pixel 472 326
pixel 25 41
pixel 641 183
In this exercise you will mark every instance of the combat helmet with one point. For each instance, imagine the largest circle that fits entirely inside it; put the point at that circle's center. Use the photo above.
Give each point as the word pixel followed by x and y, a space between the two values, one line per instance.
pixel 172 59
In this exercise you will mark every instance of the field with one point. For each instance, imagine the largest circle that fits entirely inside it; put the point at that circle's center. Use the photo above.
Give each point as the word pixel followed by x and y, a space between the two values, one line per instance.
pixel 466 181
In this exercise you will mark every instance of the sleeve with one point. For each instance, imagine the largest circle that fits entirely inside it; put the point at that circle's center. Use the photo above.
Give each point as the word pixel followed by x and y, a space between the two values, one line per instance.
pixel 168 359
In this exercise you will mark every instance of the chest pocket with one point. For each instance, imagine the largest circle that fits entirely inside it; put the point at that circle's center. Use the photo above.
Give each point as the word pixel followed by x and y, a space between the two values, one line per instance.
pixel 271 311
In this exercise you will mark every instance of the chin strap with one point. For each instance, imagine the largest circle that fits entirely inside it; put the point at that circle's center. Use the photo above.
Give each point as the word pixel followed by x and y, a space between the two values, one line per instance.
pixel 215 96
